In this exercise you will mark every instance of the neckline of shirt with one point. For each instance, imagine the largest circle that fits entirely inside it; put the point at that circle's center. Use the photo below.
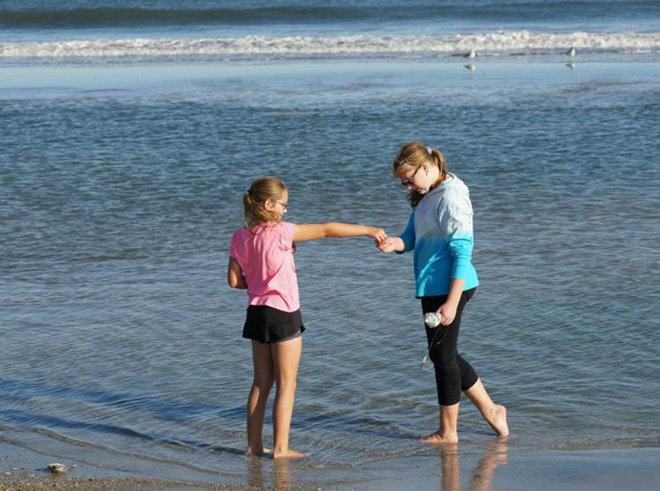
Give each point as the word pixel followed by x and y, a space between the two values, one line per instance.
pixel 444 184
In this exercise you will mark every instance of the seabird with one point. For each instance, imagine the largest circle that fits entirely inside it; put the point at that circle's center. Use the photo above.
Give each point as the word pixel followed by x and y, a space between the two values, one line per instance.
pixel 471 54
pixel 571 52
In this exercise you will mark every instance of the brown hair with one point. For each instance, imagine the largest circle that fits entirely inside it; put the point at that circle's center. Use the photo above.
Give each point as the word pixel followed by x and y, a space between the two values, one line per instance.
pixel 254 199
pixel 414 154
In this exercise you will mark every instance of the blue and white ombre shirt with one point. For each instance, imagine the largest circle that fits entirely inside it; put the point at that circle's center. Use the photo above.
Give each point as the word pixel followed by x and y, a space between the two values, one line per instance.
pixel 439 230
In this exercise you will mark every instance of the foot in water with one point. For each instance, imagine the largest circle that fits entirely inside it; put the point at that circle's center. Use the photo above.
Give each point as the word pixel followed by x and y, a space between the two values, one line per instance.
pixel 498 421
pixel 437 439
pixel 288 454
pixel 258 453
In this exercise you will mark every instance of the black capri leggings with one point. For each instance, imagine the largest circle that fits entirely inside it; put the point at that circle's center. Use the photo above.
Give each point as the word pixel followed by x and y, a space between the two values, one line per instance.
pixel 452 373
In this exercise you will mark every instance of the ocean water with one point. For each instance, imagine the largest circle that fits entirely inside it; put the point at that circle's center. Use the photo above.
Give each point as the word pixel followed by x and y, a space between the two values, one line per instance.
pixel 143 31
pixel 131 129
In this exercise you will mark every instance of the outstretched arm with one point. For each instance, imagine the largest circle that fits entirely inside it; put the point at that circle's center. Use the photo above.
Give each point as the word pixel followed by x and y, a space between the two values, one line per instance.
pixel 235 276
pixel 315 231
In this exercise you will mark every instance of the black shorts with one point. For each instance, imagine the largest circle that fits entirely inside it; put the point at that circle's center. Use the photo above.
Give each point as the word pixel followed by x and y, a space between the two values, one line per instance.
pixel 269 325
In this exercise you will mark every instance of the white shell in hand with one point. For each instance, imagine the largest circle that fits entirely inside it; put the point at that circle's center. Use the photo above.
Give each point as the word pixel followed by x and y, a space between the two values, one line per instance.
pixel 432 319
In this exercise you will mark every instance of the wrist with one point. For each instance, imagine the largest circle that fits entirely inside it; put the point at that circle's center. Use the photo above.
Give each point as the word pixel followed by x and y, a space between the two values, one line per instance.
pixel 453 300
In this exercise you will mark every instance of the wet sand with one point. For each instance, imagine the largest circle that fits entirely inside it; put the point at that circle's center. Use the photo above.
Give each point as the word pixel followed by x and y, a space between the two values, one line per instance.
pixel 125 80
pixel 543 470
pixel 499 466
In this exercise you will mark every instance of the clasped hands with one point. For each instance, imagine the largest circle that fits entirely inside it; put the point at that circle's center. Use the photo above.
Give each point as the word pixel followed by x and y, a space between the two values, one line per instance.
pixel 387 244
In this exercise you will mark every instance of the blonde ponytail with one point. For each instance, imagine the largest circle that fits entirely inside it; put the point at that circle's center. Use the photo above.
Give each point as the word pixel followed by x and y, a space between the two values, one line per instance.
pixel 254 200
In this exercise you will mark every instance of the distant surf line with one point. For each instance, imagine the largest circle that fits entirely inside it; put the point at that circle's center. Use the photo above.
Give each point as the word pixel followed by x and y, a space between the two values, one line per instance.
pixel 487 44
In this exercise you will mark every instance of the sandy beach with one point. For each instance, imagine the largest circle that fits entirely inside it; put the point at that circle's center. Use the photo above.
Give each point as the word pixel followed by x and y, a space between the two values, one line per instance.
pixel 495 468
pixel 124 81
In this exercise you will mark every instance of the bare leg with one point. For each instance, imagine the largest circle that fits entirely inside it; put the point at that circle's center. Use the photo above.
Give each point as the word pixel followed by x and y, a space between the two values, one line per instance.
pixel 448 432
pixel 286 357
pixel 256 405
pixel 494 414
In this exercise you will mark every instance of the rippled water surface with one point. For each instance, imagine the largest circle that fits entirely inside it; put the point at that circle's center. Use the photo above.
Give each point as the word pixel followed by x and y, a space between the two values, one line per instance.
pixel 118 199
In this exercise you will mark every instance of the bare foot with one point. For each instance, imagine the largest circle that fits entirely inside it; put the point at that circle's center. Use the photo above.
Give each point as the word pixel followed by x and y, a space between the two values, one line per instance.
pixel 498 421
pixel 437 439
pixel 288 454
pixel 263 451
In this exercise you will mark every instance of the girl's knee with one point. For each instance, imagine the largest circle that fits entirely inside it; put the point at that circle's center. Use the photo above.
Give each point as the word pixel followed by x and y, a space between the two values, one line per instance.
pixel 286 383
pixel 263 384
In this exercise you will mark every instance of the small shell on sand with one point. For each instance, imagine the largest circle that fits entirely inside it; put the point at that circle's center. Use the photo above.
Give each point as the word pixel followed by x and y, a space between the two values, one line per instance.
pixel 56 468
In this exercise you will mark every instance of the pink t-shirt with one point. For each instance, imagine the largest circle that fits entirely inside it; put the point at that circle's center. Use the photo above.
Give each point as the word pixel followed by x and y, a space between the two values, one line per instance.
pixel 265 254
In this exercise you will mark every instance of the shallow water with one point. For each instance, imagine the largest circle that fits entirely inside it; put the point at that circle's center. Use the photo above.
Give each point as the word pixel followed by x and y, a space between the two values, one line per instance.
pixel 120 194
pixel 131 129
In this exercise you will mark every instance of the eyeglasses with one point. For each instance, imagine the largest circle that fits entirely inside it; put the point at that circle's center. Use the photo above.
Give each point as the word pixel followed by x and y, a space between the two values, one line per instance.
pixel 284 205
pixel 409 181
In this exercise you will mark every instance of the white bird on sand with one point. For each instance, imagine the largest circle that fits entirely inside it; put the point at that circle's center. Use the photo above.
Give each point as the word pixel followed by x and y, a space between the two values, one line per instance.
pixel 472 67
pixel 471 54
pixel 571 52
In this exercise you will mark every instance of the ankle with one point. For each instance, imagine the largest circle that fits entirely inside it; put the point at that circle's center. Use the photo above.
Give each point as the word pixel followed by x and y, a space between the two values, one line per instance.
pixel 449 434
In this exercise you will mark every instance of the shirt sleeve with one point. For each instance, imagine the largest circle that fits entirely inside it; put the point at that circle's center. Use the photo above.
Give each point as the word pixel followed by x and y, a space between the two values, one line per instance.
pixel 459 234
pixel 286 235
pixel 233 254
pixel 408 235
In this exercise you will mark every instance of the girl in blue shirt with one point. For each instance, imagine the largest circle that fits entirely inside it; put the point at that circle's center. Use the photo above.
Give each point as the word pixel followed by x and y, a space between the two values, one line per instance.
pixel 439 231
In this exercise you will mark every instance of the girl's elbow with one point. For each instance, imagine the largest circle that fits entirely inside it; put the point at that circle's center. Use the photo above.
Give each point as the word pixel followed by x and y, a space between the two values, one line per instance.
pixel 238 283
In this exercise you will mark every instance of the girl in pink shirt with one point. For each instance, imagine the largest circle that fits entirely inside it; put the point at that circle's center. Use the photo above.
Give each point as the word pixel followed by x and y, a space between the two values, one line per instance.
pixel 261 261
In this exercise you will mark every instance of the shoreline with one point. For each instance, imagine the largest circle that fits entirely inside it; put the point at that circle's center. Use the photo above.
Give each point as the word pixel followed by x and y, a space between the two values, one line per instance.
pixel 497 467
pixel 126 81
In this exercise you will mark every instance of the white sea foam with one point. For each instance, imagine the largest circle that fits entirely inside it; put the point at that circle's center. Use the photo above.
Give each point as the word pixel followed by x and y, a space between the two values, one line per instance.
pixel 493 43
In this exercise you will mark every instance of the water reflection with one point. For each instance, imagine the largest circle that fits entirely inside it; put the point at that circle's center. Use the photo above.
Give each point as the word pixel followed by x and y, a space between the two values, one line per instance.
pixel 281 474
pixel 482 476
pixel 451 475
pixel 255 476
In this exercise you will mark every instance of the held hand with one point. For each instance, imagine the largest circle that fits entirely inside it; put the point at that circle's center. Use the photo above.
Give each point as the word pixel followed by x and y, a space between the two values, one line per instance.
pixel 378 234
pixel 448 312
pixel 387 245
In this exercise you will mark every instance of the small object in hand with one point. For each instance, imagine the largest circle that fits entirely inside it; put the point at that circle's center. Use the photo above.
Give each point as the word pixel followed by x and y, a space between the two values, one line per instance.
pixel 424 361
pixel 432 319
pixel 56 468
